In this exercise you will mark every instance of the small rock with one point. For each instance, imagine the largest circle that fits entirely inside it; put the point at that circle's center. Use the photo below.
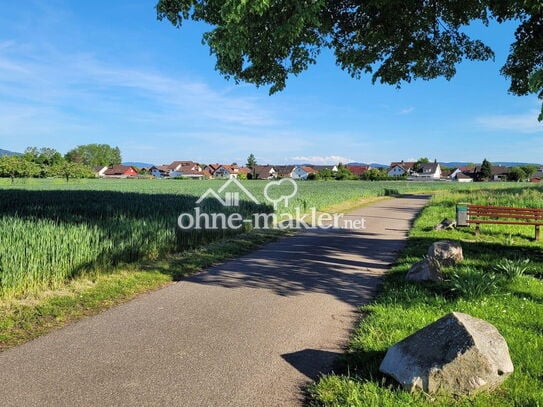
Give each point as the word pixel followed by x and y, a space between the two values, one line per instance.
pixel 424 270
pixel 457 354
pixel 446 252
pixel 445 224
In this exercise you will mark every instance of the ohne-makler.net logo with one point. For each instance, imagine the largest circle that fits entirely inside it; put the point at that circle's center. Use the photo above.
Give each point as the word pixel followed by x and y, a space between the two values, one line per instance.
pixel 232 192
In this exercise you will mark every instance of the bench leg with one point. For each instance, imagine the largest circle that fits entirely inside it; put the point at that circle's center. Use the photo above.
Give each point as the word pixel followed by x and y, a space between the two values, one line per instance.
pixel 477 229
pixel 537 234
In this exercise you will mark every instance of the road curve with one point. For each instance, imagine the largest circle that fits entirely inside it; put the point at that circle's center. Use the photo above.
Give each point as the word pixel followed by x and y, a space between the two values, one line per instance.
pixel 249 332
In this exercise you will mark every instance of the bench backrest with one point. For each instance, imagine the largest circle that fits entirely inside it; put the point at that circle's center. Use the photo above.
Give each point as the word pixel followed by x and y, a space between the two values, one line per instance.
pixel 534 214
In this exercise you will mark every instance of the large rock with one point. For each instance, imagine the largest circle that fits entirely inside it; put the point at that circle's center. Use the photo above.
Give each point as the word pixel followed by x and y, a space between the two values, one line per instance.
pixel 456 354
pixel 424 270
pixel 445 224
pixel 446 252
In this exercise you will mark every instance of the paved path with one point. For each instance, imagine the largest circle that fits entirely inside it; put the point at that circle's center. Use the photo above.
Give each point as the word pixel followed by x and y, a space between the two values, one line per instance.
pixel 249 332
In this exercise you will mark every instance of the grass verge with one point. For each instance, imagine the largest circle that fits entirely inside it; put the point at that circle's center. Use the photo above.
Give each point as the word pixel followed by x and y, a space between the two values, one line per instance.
pixel 23 318
pixel 353 204
pixel 511 301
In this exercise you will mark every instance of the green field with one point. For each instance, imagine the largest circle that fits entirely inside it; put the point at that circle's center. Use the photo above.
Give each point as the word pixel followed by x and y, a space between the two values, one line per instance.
pixel 51 230
pixel 71 249
pixel 510 297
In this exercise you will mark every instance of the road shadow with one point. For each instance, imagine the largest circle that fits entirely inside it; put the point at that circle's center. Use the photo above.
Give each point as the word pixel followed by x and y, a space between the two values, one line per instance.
pixel 346 264
pixel 312 363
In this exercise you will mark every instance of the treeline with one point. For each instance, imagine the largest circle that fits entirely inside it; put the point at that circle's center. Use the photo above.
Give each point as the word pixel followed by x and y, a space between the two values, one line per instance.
pixel 343 173
pixel 47 162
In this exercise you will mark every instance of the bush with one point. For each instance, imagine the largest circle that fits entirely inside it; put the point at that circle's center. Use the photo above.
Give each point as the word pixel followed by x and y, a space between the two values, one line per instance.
pixel 471 283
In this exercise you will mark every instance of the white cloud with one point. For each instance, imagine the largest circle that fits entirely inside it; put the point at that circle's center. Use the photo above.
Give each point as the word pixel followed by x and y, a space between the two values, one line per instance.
pixel 519 123
pixel 321 160
pixel 47 77
pixel 407 110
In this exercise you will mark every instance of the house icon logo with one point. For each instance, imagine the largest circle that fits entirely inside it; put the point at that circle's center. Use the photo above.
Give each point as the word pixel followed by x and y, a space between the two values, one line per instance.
pixel 231 199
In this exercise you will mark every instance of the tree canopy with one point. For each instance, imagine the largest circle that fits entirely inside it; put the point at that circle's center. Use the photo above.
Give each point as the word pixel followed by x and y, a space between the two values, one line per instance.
pixel 94 155
pixel 395 41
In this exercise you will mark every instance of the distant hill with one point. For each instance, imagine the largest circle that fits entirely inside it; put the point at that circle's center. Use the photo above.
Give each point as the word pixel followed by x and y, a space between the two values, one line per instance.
pixel 504 163
pixel 373 165
pixel 138 164
pixel 6 152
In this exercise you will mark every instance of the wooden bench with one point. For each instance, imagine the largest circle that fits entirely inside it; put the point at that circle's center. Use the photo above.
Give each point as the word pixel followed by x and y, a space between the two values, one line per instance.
pixel 502 215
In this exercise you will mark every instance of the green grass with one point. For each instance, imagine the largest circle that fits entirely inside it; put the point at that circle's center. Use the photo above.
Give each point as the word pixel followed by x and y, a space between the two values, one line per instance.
pixel 511 300
pixel 25 317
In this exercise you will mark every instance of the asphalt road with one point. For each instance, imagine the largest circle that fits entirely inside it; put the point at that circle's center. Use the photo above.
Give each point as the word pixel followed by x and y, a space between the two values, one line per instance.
pixel 250 332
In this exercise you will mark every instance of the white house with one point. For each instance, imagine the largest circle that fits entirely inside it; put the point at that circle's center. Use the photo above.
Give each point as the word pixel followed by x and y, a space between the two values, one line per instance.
pixel 177 169
pixel 226 172
pixel 302 172
pixel 100 170
pixel 159 171
pixel 397 171
pixel 429 171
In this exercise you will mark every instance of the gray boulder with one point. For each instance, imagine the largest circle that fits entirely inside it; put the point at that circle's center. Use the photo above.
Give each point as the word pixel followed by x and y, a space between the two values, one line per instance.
pixel 424 270
pixel 456 354
pixel 446 252
pixel 445 224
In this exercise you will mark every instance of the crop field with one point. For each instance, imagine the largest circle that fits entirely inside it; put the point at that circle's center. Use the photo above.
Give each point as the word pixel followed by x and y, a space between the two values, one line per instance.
pixel 52 231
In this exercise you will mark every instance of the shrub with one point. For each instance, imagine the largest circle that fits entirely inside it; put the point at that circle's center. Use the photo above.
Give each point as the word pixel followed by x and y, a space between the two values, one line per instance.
pixel 512 268
pixel 473 284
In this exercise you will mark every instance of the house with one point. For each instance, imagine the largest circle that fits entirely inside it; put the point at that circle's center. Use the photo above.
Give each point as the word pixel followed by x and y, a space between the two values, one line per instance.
pixel 176 167
pixel 99 170
pixel 189 172
pixel 537 177
pixel 398 171
pixel 461 177
pixel 226 172
pixel 303 172
pixel 358 170
pixel 462 174
pixel 120 171
pixel 264 172
pixel 284 171
pixel 159 171
pixel 498 173
pixel 245 172
pixel 428 171
pixel 211 168
pixel 400 168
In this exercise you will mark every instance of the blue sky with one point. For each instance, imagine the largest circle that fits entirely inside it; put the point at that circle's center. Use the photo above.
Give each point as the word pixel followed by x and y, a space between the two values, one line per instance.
pixel 78 72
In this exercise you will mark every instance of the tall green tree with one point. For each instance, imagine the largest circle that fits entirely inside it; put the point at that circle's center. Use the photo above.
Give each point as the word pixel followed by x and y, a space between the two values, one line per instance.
pixel 94 155
pixel 395 41
pixel 251 161
pixel 486 170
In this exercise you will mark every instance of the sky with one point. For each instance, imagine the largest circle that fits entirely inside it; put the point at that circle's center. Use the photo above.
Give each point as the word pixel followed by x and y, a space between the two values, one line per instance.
pixel 79 72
